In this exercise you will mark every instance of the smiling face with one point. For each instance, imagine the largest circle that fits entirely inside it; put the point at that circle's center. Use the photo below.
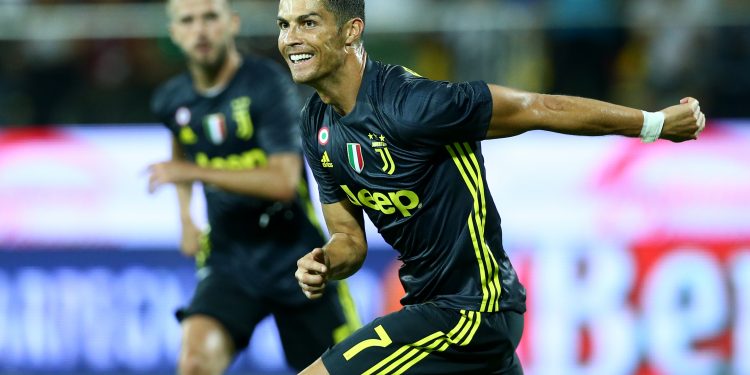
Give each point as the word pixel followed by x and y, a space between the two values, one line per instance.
pixel 310 40
pixel 203 29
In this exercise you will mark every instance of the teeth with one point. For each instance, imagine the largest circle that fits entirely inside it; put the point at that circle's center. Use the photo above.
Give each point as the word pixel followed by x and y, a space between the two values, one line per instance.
pixel 300 57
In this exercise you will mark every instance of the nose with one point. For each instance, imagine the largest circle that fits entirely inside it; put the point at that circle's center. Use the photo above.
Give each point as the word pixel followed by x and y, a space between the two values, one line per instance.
pixel 290 36
pixel 199 26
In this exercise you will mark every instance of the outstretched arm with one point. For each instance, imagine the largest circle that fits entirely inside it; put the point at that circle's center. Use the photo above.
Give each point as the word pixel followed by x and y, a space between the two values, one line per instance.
pixel 341 257
pixel 516 112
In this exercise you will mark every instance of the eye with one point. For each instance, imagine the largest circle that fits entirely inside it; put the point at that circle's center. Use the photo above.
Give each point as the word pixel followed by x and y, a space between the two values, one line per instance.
pixel 282 25
pixel 211 16
pixel 186 20
pixel 310 23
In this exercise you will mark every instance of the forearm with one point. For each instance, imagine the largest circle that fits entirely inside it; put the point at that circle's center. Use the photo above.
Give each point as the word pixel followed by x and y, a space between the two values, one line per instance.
pixel 184 195
pixel 345 255
pixel 582 116
pixel 264 182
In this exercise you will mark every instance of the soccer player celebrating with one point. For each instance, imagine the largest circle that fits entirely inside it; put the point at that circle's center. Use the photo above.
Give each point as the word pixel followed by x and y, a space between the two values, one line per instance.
pixel 406 150
pixel 234 125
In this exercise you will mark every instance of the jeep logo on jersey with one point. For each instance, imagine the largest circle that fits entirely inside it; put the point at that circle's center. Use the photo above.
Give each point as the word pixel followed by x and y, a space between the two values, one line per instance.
pixel 247 160
pixel 354 153
pixel 387 203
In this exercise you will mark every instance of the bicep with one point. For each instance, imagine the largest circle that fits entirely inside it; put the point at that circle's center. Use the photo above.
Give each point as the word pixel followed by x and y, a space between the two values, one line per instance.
pixel 513 112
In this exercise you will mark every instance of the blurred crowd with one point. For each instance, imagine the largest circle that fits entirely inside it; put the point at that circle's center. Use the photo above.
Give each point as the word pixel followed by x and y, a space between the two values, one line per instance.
pixel 641 53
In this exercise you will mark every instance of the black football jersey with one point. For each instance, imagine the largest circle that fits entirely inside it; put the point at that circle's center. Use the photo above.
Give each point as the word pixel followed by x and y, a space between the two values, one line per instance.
pixel 409 155
pixel 255 116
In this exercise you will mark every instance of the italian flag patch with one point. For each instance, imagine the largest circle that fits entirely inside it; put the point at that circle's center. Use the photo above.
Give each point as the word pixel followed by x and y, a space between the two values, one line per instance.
pixel 354 153
pixel 215 127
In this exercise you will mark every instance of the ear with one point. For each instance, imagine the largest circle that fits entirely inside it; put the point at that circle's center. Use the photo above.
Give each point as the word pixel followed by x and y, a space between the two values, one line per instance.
pixel 354 29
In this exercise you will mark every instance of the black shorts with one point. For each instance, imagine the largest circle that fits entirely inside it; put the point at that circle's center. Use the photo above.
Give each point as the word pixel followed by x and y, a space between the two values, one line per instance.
pixel 306 330
pixel 424 339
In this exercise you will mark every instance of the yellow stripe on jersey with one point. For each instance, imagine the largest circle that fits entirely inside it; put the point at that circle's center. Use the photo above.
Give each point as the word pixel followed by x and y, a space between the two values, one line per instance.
pixel 495 276
pixel 474 239
pixel 412 72
pixel 478 224
pixel 408 355
pixel 462 340
pixel 489 271
pixel 489 258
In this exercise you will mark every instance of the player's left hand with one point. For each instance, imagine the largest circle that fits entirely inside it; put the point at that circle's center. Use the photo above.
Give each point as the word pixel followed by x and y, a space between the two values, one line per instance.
pixel 169 172
pixel 312 273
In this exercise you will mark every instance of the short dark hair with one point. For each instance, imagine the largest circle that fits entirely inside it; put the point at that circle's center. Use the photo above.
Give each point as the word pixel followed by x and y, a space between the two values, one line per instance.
pixel 344 10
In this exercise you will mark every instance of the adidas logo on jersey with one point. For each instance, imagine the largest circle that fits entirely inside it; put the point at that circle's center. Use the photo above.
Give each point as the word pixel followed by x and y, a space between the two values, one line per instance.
pixel 326 161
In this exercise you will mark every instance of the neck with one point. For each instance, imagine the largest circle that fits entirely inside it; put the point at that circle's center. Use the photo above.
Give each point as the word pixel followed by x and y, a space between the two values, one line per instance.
pixel 207 79
pixel 340 89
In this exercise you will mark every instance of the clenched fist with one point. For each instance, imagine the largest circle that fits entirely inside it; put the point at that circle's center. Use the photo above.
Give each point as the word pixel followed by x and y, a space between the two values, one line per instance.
pixel 684 121
pixel 312 273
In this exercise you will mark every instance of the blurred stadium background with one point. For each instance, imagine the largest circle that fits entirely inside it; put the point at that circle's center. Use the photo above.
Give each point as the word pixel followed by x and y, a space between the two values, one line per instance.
pixel 636 257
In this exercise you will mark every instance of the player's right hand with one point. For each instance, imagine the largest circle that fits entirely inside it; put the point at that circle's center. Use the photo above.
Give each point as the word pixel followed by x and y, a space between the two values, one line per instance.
pixel 191 239
pixel 312 273
pixel 684 121
pixel 170 172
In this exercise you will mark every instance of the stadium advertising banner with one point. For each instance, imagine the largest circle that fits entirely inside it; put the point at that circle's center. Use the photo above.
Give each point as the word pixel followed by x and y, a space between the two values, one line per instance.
pixel 636 257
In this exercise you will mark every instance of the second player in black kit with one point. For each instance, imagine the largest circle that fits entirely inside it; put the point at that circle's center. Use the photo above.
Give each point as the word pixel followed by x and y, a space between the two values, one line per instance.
pixel 253 244
pixel 238 128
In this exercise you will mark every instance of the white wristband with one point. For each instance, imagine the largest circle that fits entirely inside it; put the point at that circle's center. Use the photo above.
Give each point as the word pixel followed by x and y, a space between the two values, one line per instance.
pixel 652 124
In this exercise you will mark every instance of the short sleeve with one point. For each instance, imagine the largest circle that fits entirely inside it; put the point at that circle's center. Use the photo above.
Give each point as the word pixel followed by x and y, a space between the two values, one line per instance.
pixel 328 190
pixel 277 116
pixel 435 113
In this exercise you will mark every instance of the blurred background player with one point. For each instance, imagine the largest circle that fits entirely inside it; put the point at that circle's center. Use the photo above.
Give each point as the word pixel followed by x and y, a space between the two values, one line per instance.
pixel 407 151
pixel 233 118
